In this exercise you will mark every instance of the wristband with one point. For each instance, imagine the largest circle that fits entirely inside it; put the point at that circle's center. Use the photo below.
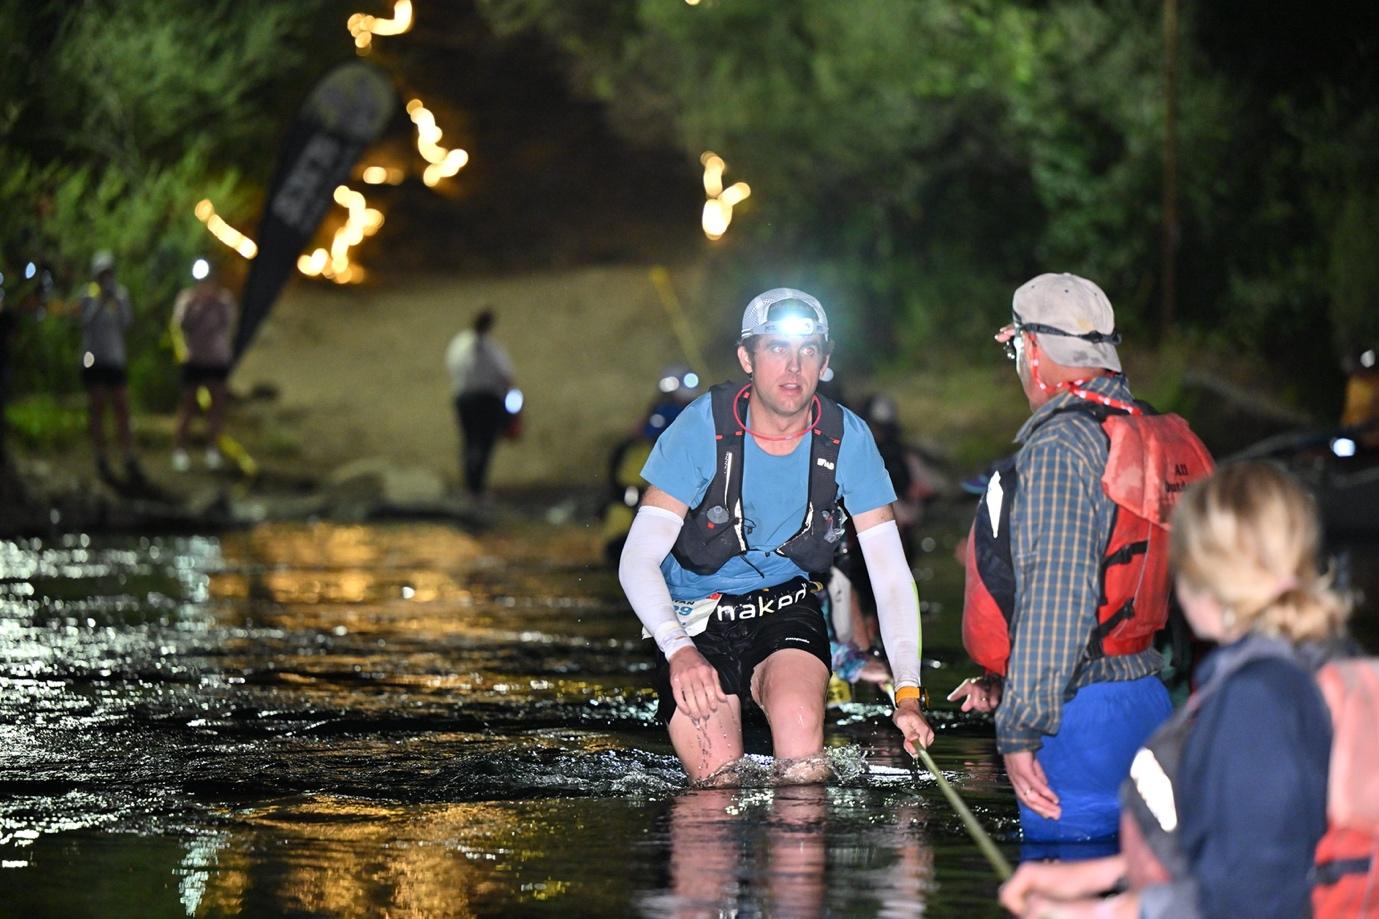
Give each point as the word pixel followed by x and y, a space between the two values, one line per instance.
pixel 907 692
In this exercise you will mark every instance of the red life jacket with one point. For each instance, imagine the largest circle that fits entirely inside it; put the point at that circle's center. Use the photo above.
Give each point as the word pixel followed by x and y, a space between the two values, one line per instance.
pixel 1346 862
pixel 1151 459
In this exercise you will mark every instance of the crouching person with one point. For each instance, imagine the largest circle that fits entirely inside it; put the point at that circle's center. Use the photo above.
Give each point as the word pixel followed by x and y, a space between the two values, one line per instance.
pixel 725 559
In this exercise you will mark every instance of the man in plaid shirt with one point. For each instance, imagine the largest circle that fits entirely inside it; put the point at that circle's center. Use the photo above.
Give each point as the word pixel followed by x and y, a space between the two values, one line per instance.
pixel 1067 722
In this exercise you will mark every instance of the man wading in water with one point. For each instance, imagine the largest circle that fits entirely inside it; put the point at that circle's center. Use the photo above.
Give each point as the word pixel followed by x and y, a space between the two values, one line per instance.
pixel 749 489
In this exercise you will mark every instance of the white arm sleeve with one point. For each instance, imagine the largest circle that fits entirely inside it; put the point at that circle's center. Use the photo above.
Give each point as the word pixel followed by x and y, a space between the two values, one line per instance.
pixel 897 600
pixel 653 533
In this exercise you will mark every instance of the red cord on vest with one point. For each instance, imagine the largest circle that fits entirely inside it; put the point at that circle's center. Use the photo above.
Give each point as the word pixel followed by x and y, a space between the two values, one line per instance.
pixel 818 413
pixel 1079 388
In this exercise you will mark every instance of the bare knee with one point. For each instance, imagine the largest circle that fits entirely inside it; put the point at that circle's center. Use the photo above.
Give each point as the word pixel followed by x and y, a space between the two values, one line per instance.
pixel 789 686
pixel 797 723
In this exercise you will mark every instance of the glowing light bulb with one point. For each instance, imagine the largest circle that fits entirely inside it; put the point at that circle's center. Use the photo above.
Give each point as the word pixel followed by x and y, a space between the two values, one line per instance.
pixel 718 209
pixel 205 212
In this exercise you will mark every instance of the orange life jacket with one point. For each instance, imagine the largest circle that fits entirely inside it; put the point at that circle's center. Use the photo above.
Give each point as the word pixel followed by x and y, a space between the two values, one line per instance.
pixel 1151 459
pixel 1346 860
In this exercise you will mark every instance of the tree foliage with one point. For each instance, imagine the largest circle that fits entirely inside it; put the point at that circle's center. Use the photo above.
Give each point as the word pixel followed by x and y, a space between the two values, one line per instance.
pixel 119 117
pixel 927 156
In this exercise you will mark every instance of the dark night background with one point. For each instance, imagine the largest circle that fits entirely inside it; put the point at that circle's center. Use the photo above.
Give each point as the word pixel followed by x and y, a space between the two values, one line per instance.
pixel 912 162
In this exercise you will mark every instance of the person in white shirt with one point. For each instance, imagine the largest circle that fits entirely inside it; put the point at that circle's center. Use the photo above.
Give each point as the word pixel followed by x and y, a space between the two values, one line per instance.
pixel 481 374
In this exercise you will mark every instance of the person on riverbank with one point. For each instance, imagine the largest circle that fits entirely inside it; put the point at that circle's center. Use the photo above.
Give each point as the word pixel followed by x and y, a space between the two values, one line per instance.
pixel 106 315
pixel 726 558
pixel 203 320
pixel 481 374
pixel 1067 577
pixel 1226 805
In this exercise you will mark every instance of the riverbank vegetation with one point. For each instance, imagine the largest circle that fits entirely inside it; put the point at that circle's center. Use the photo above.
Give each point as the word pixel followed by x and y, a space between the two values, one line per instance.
pixel 911 162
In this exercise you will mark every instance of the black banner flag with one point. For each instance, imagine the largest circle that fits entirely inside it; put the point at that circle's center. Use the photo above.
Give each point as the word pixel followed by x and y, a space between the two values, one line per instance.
pixel 341 116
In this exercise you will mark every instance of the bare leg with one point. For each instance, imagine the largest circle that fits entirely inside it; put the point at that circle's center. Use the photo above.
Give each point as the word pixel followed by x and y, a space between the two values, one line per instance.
pixel 708 745
pixel 790 686
pixel 119 398
pixel 186 407
pixel 215 415
pixel 95 419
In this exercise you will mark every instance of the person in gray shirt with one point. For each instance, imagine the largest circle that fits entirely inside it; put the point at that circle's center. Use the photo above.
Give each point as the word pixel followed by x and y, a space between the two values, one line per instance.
pixel 105 316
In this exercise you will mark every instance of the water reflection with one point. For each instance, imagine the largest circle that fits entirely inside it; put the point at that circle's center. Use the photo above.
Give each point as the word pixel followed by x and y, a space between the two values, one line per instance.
pixel 333 720
pixel 764 852
pixel 407 720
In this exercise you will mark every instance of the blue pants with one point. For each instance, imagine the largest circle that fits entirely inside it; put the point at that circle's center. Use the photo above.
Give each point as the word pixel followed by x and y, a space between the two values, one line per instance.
pixel 1085 762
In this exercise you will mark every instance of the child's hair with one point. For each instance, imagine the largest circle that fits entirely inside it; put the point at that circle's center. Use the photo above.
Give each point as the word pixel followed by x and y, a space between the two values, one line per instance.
pixel 1249 537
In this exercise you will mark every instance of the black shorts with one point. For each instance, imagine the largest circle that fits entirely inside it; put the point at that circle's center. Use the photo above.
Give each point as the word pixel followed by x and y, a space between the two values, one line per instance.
pixel 102 375
pixel 197 374
pixel 734 643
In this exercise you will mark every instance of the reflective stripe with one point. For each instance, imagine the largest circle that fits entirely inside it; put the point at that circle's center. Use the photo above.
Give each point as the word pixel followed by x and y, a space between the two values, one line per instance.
pixel 1154 788
pixel 995 495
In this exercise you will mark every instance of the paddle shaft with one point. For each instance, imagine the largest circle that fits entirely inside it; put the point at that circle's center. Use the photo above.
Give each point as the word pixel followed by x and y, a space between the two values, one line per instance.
pixel 974 828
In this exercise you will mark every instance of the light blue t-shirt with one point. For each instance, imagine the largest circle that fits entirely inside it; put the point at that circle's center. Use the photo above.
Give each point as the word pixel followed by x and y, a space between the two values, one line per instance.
pixel 775 491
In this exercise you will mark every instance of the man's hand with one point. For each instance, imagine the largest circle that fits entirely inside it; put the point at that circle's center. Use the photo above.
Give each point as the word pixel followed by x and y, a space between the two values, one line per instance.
pixel 1065 880
pixel 910 721
pixel 694 683
pixel 980 694
pixel 1031 785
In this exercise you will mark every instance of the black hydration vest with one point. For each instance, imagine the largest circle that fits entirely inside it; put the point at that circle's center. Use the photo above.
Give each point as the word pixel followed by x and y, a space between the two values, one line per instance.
pixel 713 534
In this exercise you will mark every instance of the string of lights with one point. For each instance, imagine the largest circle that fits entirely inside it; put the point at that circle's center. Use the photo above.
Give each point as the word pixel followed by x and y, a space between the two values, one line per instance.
pixel 362 221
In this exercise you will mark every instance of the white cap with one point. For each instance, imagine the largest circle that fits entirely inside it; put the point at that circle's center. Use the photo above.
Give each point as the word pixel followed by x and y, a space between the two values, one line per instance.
pixel 1073 319
pixel 787 310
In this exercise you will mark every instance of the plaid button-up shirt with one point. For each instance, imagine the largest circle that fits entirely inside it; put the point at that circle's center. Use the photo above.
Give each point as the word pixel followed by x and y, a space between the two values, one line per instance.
pixel 1059 526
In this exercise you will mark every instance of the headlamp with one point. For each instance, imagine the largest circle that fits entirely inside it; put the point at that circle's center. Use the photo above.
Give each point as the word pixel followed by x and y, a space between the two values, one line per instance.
pixel 792 325
pixel 790 317
pixel 784 311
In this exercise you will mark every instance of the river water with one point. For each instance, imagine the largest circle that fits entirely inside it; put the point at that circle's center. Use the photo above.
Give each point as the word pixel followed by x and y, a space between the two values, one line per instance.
pixel 413 720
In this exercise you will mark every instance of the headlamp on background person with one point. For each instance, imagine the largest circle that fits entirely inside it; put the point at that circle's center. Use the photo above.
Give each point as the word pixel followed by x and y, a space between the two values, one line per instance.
pixel 680 380
pixel 676 386
pixel 201 269
pixel 784 311
pixel 1343 447
pixel 1015 344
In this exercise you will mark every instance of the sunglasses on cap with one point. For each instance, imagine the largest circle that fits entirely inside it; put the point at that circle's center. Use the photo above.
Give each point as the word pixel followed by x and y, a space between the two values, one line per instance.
pixel 1015 344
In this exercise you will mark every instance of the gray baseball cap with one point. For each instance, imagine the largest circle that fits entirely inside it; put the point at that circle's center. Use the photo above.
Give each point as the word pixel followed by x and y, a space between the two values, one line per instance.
pixel 784 310
pixel 1072 317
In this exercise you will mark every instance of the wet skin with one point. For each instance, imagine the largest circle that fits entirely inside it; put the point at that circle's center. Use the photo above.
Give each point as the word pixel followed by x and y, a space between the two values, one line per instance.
pixel 785 373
